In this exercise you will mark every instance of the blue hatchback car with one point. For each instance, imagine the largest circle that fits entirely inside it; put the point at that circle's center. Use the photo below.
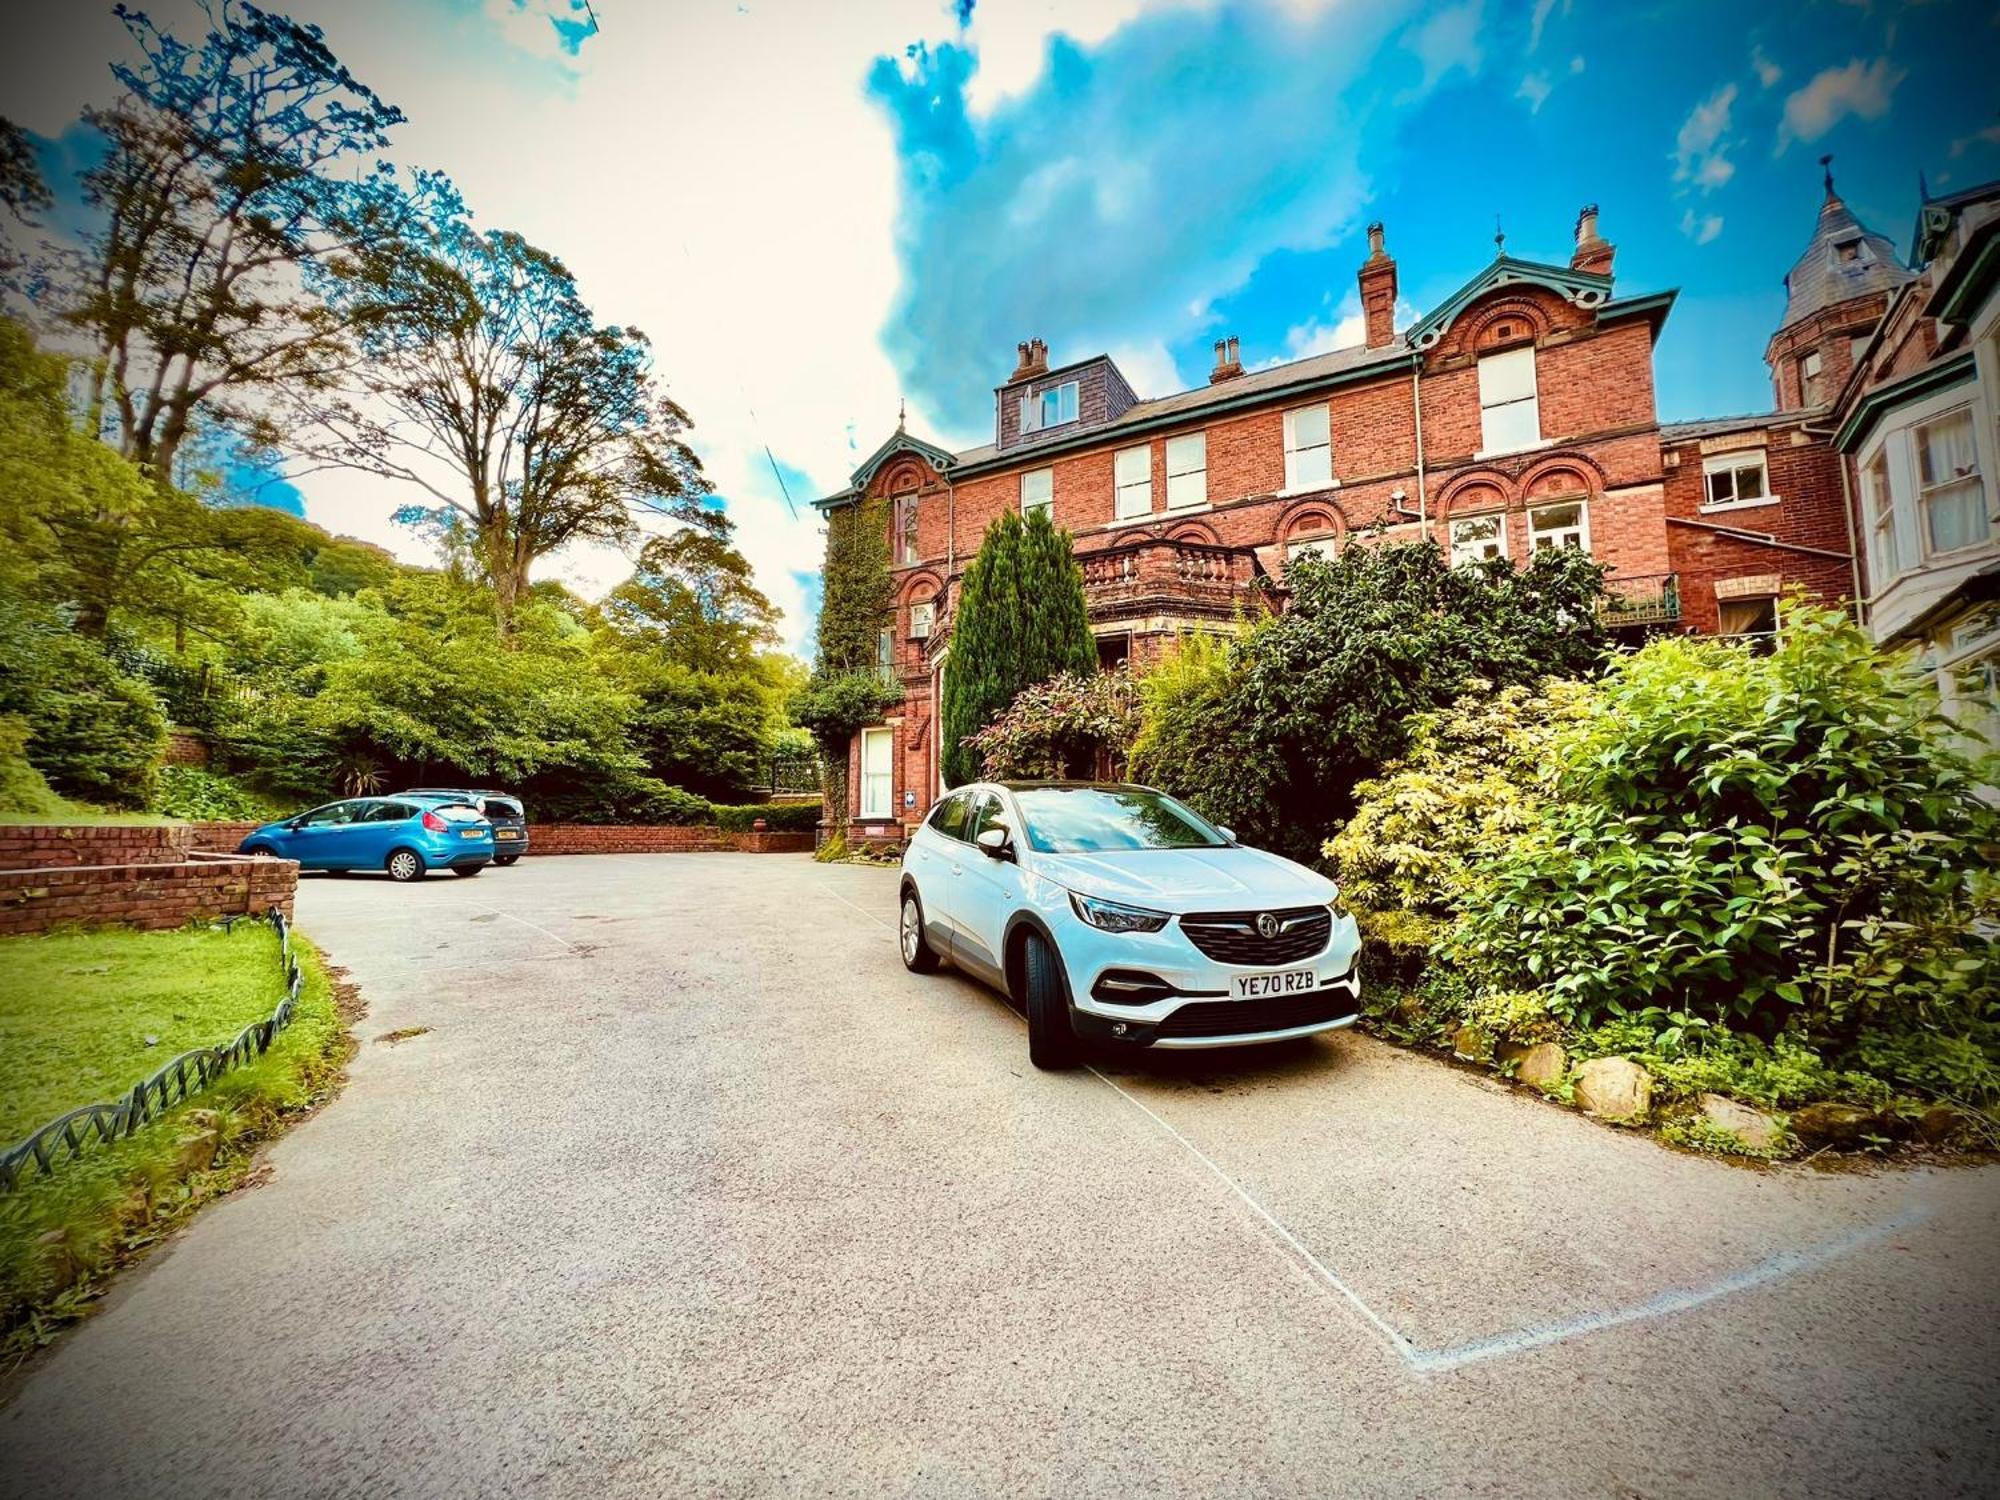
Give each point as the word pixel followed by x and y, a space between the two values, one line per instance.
pixel 407 836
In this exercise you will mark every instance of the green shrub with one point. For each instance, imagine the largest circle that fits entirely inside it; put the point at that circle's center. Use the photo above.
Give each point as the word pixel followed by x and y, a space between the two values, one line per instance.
pixel 779 817
pixel 24 791
pixel 1473 777
pixel 1197 740
pixel 95 731
pixel 1061 728
pixel 196 795
pixel 1751 841
pixel 622 797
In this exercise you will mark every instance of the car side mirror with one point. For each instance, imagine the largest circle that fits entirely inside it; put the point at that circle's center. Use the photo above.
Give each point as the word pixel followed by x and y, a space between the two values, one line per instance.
pixel 295 824
pixel 995 843
pixel 1228 834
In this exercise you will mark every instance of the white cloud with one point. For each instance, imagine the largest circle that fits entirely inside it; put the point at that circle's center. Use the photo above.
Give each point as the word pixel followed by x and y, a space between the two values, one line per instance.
pixel 1701 228
pixel 1449 42
pixel 1148 368
pixel 1990 136
pixel 1012 41
pixel 1701 148
pixel 1543 9
pixel 1859 89
pixel 1535 88
pixel 1768 72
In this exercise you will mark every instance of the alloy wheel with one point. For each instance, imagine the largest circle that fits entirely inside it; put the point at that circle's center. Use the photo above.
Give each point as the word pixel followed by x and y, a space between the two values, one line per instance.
pixel 404 865
pixel 913 931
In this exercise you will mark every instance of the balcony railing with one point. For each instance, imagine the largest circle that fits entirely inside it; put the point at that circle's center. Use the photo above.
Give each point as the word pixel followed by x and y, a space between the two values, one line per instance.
pixel 1641 599
pixel 1165 570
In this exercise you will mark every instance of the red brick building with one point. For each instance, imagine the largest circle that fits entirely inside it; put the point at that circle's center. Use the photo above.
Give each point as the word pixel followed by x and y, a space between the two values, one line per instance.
pixel 1516 415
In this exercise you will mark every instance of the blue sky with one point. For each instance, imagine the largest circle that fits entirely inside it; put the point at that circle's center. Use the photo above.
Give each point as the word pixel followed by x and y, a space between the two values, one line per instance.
pixel 819 211
pixel 1207 171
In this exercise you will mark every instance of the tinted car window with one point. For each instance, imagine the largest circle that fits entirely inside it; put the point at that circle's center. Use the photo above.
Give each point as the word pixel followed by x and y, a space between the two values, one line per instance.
pixel 949 816
pixel 387 812
pixel 1086 819
pixel 986 813
pixel 504 807
pixel 332 815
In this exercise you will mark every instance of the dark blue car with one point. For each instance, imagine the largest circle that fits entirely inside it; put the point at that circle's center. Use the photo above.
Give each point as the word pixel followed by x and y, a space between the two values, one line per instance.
pixel 408 836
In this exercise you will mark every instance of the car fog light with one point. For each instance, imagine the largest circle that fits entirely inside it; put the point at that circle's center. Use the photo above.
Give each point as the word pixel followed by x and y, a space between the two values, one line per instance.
pixel 1119 1028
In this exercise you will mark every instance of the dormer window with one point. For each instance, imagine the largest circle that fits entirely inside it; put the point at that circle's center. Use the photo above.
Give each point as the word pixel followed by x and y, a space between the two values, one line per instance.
pixel 1049 408
pixel 1851 251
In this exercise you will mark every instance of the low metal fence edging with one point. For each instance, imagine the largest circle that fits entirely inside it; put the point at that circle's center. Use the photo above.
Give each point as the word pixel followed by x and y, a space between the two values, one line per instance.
pixel 170 1084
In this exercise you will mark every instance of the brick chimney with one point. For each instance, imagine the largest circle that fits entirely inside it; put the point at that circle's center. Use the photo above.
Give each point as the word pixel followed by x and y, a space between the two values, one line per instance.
pixel 1378 291
pixel 1228 364
pixel 1593 251
pixel 1034 360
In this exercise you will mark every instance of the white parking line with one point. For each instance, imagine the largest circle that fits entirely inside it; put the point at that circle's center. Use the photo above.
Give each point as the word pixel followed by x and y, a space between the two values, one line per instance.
pixel 1425 1362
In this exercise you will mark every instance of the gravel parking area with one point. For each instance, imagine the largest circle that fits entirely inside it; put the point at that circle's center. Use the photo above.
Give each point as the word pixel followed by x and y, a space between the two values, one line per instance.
pixel 688 1188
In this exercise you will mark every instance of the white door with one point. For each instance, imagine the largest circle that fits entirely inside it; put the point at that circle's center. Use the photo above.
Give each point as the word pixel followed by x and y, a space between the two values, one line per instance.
pixel 878 773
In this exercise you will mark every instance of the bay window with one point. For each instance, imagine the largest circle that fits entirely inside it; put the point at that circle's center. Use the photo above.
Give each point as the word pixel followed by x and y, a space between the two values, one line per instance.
pixel 1950 494
pixel 1879 499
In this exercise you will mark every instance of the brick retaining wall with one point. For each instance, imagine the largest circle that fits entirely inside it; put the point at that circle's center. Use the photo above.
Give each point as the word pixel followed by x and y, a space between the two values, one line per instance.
pixel 44 845
pixel 150 895
pixel 578 838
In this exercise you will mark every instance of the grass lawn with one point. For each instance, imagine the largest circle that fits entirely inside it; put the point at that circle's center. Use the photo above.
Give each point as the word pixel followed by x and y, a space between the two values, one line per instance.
pixel 78 1009
pixel 75 1011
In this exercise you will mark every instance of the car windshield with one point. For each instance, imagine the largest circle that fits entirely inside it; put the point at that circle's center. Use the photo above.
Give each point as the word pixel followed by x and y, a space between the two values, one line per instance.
pixel 1089 819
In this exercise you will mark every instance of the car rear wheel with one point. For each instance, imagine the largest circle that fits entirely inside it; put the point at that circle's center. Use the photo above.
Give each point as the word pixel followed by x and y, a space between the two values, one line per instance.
pixel 504 860
pixel 1051 1038
pixel 466 869
pixel 404 864
pixel 919 957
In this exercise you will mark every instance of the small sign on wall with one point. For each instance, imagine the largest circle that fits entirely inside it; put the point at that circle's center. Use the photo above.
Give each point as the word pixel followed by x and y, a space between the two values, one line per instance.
pixel 909 799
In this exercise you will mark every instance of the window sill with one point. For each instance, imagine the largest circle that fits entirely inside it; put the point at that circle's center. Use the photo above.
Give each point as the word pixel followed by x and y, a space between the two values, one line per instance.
pixel 1729 505
pixel 1536 447
pixel 1291 491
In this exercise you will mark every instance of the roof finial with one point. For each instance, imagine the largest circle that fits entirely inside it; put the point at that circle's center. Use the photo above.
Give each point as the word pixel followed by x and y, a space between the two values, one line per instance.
pixel 1826 164
pixel 1499 238
pixel 901 412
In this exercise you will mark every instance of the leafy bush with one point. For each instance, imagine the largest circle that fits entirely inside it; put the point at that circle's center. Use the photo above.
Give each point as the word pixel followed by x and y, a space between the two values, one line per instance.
pixel 779 817
pixel 190 793
pixel 24 792
pixel 1317 699
pixel 94 730
pixel 1061 728
pixel 1196 741
pixel 622 797
pixel 1473 778
pixel 1752 840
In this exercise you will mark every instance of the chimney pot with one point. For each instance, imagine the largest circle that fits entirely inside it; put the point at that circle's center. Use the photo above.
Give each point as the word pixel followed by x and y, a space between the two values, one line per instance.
pixel 1227 365
pixel 1593 251
pixel 1378 292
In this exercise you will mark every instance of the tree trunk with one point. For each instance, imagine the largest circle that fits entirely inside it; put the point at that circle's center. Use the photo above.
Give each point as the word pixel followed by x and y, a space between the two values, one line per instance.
pixel 833 792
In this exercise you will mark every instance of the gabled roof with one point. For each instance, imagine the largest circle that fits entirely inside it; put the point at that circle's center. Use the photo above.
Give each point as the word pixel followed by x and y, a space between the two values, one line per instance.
pixel 1843 260
pixel 900 441
pixel 1583 288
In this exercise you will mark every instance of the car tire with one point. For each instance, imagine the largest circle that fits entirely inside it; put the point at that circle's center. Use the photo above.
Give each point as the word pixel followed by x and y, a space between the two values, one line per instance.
pixel 268 850
pixel 467 870
pixel 919 957
pixel 404 865
pixel 1045 996
pixel 504 860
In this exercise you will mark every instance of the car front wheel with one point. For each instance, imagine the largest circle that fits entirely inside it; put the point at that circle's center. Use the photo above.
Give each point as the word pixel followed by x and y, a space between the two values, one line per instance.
pixel 1051 1038
pixel 919 957
pixel 405 864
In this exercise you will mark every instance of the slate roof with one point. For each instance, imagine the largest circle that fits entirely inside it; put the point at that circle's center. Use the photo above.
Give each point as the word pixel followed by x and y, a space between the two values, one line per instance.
pixel 1822 276
pixel 1680 432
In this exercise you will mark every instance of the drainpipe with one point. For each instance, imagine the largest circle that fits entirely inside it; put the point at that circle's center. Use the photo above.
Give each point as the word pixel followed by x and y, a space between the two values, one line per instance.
pixel 1853 546
pixel 1417 415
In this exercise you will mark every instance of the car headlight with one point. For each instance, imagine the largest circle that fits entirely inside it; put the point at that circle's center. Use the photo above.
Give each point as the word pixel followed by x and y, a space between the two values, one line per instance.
pixel 1109 916
pixel 1339 905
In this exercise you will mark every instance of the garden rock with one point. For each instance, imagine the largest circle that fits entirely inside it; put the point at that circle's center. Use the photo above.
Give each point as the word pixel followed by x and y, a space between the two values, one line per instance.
pixel 1614 1088
pixel 1752 1127
pixel 1837 1125
pixel 1471 1043
pixel 1541 1065
pixel 1939 1125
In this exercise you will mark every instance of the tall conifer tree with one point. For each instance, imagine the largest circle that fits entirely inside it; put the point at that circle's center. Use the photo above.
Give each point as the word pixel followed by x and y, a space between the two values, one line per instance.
pixel 1021 620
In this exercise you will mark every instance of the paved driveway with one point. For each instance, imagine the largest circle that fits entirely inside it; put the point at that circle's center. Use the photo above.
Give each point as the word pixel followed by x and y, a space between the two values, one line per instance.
pixel 689 1189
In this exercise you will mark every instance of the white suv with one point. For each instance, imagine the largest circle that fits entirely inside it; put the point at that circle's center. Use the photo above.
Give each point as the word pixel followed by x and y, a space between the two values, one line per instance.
pixel 1114 913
